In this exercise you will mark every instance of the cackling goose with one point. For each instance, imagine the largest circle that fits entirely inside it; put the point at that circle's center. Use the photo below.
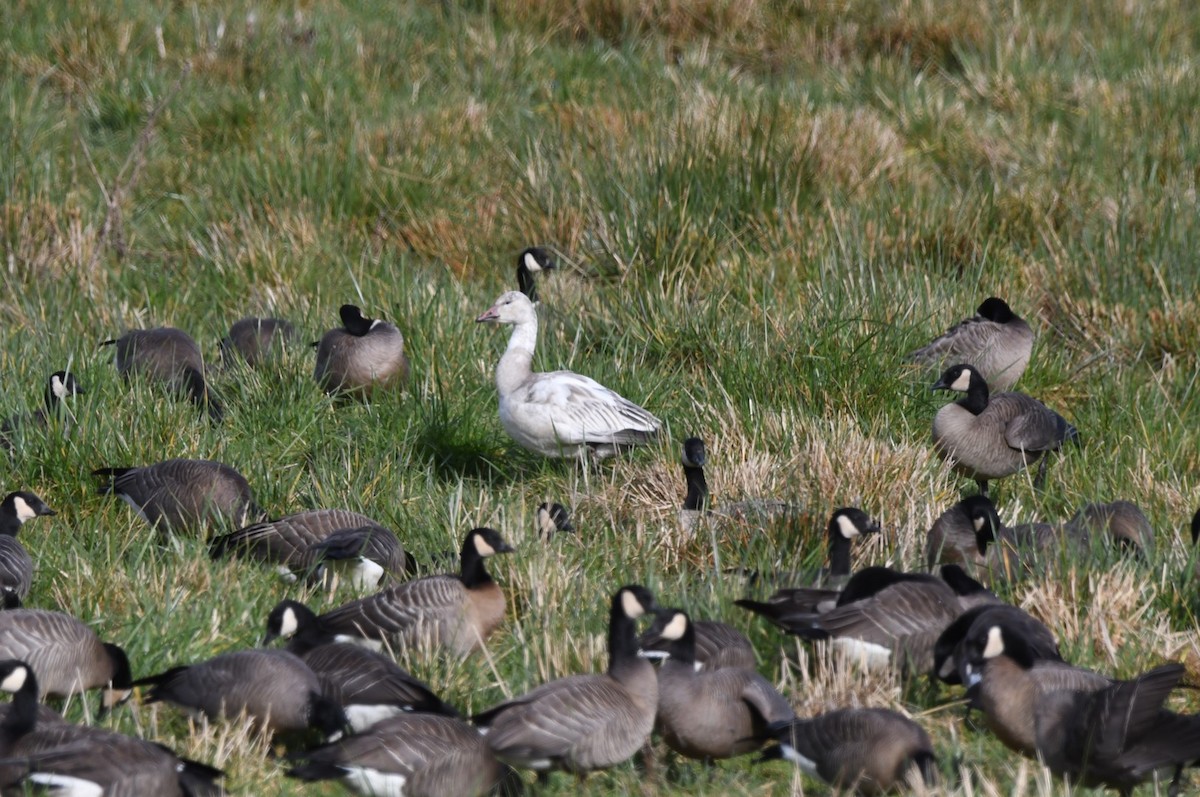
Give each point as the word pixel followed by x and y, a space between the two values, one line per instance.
pixel 532 261
pixel 258 340
pixel 183 495
pixel 995 340
pixel 16 566
pixel 59 387
pixel 362 356
pixel 169 356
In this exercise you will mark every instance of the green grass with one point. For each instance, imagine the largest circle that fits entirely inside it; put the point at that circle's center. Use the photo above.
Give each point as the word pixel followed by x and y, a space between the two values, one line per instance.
pixel 759 208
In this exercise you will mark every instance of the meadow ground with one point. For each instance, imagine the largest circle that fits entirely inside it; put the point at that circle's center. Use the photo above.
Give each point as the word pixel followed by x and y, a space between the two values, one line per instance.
pixel 758 207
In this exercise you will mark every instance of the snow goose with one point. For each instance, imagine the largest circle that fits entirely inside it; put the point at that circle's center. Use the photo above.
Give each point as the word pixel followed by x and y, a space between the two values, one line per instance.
pixel 558 413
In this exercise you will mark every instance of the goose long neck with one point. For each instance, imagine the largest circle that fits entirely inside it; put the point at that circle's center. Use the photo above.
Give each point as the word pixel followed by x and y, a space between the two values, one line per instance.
pixel 472 570
pixel 22 717
pixel 622 638
pixel 9 524
pixel 697 488
pixel 839 552
pixel 976 400
pixel 517 363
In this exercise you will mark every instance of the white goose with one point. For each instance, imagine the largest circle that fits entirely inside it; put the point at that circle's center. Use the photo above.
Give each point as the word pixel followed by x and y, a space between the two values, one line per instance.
pixel 558 413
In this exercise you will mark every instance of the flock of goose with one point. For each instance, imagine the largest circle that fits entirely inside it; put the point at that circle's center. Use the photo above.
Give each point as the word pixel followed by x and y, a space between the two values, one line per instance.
pixel 385 732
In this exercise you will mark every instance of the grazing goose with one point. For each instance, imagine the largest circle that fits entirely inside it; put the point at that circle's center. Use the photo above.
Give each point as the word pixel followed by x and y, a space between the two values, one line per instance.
pixel 708 714
pixel 44 752
pixel 456 612
pixel 716 646
pixel 65 654
pixel 846 525
pixel 995 340
pixel 1012 552
pixel 274 687
pixel 558 413
pixel 867 750
pixel 1122 523
pixel 258 340
pixel 369 686
pixel 696 503
pixel 952 537
pixel 886 618
pixel 413 755
pixel 1007 677
pixel 991 436
pixel 59 387
pixel 584 722
pixel 551 519
pixel 169 356
pixel 292 542
pixel 949 653
pixel 362 356
pixel 16 566
pixel 532 261
pixel 183 495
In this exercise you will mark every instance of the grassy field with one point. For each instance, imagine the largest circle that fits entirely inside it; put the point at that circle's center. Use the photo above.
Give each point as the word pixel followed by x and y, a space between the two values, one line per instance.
pixel 759 208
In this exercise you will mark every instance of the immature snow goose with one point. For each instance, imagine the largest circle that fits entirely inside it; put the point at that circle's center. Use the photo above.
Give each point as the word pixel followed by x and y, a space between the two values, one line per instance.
pixel 457 612
pixel 708 714
pixel 169 356
pixel 991 436
pixel 558 413
pixel 995 340
pixel 42 751
pixel 257 340
pixel 584 722
pixel 65 654
pixel 533 260
pixel 16 566
pixel 274 687
pixel 59 387
pixel 867 750
pixel 362 356
pixel 183 495
pixel 413 755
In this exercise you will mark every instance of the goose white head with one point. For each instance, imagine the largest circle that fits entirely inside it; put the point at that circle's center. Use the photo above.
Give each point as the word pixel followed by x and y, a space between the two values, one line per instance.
pixel 512 307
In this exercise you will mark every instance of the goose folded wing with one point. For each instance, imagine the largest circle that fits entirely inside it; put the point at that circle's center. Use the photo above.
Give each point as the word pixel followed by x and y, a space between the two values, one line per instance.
pixel 584 410
pixel 1037 428
pixel 552 720
pixel 967 337
pixel 400 608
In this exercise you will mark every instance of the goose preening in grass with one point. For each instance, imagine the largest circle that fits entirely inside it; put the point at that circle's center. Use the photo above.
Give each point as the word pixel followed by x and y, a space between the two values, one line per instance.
pixel 169 356
pixel 949 652
pixel 59 387
pixel 369 686
pixel 696 503
pixel 884 617
pixel 1087 728
pixel 362 356
pixel 558 413
pixel 551 519
pixel 846 525
pixel 40 752
pixel 989 436
pixel 65 654
pixel 293 544
pixel 533 260
pixel 414 755
pixel 456 612
pixel 273 687
pixel 584 722
pixel 995 340
pixel 709 713
pixel 183 495
pixel 952 537
pixel 865 750
pixel 16 566
pixel 258 340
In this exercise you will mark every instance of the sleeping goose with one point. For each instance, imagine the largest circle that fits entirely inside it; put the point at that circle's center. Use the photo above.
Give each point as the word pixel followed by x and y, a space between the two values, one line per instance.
pixel 532 261
pixel 169 356
pixel 16 566
pixel 991 436
pixel 995 340
pixel 362 356
pixel 257 340
pixel 558 413
pixel 457 612
pixel 584 722
pixel 59 387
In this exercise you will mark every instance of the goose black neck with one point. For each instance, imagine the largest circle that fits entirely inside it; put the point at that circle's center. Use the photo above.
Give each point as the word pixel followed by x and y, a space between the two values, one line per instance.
pixel 9 524
pixel 22 717
pixel 697 488
pixel 472 570
pixel 976 399
pixel 683 650
pixel 622 635
pixel 353 321
pixel 525 282
pixel 839 551
pixel 200 395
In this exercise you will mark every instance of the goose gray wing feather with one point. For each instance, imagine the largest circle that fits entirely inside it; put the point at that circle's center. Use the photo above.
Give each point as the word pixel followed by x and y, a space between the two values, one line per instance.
pixel 16 566
pixel 586 411
pixel 399 609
